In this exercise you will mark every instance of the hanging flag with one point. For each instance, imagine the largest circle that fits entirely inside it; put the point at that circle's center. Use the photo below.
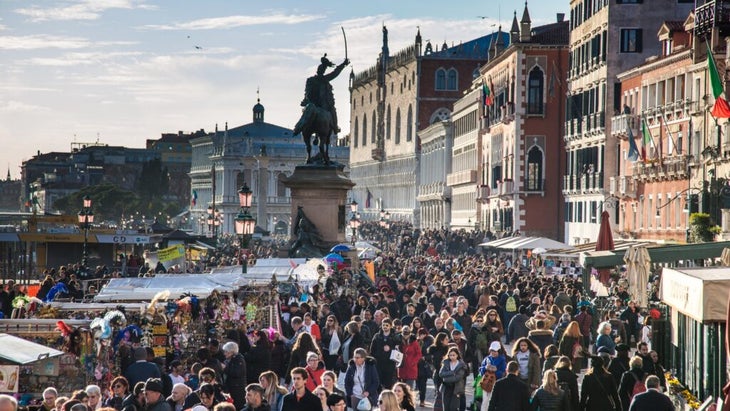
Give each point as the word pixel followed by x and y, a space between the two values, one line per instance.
pixel 673 146
pixel 633 150
pixel 491 92
pixel 367 198
pixel 721 109
pixel 646 142
pixel 487 93
pixel 194 200
pixel 554 81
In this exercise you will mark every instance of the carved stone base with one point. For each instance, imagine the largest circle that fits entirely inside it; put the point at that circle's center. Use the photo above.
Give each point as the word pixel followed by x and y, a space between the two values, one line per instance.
pixel 322 193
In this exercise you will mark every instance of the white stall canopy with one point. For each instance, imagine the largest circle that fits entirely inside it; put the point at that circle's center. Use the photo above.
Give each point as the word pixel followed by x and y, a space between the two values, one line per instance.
pixel 20 351
pixel 700 293
pixel 222 279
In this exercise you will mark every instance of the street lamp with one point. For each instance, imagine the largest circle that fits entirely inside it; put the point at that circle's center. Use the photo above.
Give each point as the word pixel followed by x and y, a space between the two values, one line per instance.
pixel 354 225
pixel 353 206
pixel 245 223
pixel 86 218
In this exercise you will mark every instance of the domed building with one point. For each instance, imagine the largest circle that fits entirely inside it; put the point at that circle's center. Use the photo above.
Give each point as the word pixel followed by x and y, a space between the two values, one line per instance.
pixel 259 154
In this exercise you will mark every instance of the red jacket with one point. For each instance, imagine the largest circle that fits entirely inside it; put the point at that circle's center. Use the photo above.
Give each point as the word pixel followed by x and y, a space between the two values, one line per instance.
pixel 411 355
pixel 314 377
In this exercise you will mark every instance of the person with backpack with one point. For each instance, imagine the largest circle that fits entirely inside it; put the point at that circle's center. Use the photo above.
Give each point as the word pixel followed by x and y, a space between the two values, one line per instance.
pixel 632 382
pixel 510 302
pixel 479 340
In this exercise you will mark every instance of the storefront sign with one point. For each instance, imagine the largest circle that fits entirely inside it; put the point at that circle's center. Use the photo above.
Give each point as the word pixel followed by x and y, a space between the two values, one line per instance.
pixel 123 239
pixel 55 238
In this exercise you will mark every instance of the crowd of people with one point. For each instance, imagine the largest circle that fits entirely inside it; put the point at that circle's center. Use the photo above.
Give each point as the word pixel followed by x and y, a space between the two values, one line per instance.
pixel 439 310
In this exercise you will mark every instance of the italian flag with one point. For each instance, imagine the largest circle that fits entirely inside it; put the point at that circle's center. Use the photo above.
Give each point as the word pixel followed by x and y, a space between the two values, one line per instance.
pixel 488 100
pixel 721 109
pixel 646 141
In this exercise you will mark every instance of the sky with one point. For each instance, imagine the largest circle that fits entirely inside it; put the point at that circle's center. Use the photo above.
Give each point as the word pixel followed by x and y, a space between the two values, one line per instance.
pixel 119 72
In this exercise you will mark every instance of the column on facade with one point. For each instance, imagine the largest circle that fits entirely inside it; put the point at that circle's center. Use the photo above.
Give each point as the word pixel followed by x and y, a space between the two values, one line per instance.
pixel 263 192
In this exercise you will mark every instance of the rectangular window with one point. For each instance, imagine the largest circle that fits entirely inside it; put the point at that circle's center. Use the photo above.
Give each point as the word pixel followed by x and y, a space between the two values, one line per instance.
pixel 631 40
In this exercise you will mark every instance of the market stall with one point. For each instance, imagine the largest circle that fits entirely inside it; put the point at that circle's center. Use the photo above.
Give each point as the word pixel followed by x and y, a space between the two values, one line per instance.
pixel 28 367
pixel 698 298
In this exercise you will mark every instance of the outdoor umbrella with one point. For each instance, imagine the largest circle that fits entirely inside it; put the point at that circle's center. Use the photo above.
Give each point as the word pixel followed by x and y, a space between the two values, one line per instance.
pixel 538 250
pixel 340 248
pixel 638 266
pixel 604 242
pixel 334 257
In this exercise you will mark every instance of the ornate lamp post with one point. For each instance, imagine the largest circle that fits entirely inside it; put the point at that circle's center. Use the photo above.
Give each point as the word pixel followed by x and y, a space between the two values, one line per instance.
pixel 86 218
pixel 354 225
pixel 245 223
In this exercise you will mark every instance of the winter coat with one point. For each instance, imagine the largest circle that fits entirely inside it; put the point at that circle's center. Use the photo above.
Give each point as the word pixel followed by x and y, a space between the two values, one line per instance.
pixel 314 377
pixel 455 378
pixel 517 328
pixel 235 380
pixel 258 360
pixel 541 338
pixel 279 358
pixel 595 391
pixel 411 356
pixel 543 400
pixel 499 362
pixel 567 378
pixel 626 388
pixel 370 383
pixel 510 394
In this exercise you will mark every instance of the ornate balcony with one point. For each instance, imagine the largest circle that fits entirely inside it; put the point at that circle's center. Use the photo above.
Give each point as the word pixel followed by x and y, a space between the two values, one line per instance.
pixel 713 14
pixel 620 125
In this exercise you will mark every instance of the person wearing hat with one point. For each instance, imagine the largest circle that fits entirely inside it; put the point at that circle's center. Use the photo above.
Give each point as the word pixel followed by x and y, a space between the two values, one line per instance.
pixel 141 370
pixel 492 369
pixel 154 400
pixel 408 370
pixel 255 399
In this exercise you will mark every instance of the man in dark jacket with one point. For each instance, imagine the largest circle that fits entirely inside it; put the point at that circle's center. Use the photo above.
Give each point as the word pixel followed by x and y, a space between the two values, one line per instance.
pixel 154 400
pixel 141 369
pixel 542 337
pixel 652 399
pixel 510 393
pixel 235 373
pixel 255 399
pixel 383 343
pixel 300 399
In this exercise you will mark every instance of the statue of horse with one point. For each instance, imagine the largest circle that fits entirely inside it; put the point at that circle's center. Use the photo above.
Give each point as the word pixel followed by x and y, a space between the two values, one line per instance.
pixel 318 122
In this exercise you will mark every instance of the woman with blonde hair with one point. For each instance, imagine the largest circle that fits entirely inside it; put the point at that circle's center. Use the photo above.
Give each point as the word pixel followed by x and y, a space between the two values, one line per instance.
pixel 387 401
pixel 571 345
pixel 549 397
pixel 273 392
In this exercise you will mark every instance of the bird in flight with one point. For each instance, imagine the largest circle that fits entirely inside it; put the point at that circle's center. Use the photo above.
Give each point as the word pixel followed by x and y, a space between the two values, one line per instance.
pixel 198 48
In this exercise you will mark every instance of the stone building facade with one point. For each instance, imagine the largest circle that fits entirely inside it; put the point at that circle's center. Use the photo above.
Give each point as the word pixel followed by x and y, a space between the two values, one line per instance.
pixel 391 102
pixel 259 154
pixel 606 38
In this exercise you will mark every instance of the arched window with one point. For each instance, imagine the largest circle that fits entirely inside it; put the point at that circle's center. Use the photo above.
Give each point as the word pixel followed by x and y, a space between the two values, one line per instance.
pixel 534 169
pixel 364 130
pixel 536 82
pixel 355 133
pixel 452 80
pixel 442 114
pixel 440 79
pixel 387 124
pixel 397 126
pixel 373 128
pixel 409 125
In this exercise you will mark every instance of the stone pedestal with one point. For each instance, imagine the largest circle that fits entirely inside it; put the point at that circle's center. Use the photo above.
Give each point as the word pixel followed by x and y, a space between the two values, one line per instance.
pixel 321 191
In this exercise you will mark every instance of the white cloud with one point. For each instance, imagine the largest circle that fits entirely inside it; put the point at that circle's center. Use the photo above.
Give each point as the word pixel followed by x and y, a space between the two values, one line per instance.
pixel 17 106
pixel 42 41
pixel 229 22
pixel 81 10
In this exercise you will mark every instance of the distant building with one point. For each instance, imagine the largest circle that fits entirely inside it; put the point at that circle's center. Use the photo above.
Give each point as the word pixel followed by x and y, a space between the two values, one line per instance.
pixel 10 194
pixel 606 38
pixel 50 176
pixel 391 103
pixel 519 148
pixel 176 155
pixel 258 154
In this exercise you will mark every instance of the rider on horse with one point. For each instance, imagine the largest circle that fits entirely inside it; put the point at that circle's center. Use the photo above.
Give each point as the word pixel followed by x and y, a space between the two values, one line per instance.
pixel 318 90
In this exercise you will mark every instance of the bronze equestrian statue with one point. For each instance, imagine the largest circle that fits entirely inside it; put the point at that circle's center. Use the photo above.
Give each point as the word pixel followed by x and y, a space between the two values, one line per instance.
pixel 319 117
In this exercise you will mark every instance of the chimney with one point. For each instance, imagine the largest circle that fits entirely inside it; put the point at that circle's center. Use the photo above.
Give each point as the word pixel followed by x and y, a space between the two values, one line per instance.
pixel 561 17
